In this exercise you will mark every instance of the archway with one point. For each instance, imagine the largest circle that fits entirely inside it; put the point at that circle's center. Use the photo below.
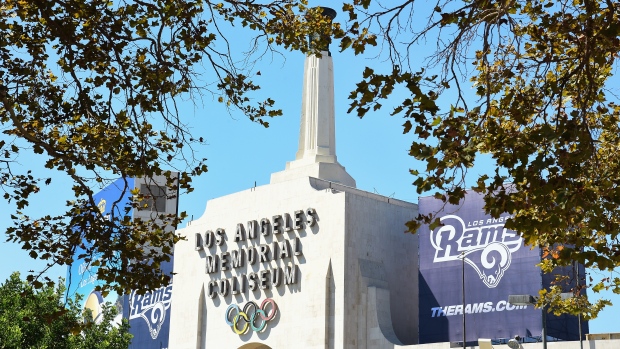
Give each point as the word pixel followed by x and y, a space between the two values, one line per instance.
pixel 254 346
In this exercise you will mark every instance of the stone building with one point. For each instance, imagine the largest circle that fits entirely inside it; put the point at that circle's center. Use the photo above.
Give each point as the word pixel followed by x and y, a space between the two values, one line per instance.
pixel 308 261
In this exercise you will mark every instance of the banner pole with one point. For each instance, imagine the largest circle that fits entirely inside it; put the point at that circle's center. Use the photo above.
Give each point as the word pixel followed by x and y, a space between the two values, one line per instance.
pixel 463 284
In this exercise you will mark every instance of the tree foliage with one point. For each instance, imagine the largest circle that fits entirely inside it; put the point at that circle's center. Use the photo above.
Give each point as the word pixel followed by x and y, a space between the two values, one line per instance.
pixel 39 319
pixel 545 110
pixel 92 87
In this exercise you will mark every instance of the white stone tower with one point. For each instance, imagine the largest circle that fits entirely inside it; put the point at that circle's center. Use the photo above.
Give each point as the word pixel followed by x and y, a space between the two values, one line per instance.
pixel 316 155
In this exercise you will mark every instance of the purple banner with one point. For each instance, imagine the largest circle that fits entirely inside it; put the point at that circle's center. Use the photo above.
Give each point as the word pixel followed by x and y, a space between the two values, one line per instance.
pixel 473 253
pixel 149 315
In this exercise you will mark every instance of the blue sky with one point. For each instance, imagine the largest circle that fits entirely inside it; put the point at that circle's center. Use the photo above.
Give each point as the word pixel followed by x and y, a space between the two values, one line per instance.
pixel 241 153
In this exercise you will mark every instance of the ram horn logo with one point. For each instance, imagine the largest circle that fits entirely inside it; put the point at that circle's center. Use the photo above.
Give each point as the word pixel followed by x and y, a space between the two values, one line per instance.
pixel 152 307
pixel 486 247
pixel 492 270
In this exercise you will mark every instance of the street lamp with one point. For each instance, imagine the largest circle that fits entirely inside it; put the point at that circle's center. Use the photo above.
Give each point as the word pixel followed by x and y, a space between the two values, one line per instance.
pixel 526 299
pixel 462 256
pixel 514 343
pixel 568 295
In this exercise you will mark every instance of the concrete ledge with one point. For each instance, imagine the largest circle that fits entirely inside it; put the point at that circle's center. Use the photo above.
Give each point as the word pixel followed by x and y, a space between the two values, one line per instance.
pixel 320 184
pixel 333 172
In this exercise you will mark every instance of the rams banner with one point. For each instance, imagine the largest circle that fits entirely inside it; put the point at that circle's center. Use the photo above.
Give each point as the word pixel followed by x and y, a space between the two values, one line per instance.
pixel 149 315
pixel 492 261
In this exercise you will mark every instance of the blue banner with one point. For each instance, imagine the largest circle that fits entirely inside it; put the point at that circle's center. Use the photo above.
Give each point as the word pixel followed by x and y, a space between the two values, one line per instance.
pixel 149 315
pixel 82 275
pixel 472 253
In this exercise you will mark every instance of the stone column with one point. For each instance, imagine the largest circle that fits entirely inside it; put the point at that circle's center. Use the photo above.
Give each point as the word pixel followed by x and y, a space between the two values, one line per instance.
pixel 317 137
pixel 316 154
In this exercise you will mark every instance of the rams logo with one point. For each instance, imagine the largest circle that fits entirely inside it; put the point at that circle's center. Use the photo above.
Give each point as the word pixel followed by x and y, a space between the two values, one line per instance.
pixel 152 307
pixel 485 246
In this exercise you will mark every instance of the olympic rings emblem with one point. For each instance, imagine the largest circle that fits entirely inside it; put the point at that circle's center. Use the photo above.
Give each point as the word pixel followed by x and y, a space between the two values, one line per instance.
pixel 250 316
